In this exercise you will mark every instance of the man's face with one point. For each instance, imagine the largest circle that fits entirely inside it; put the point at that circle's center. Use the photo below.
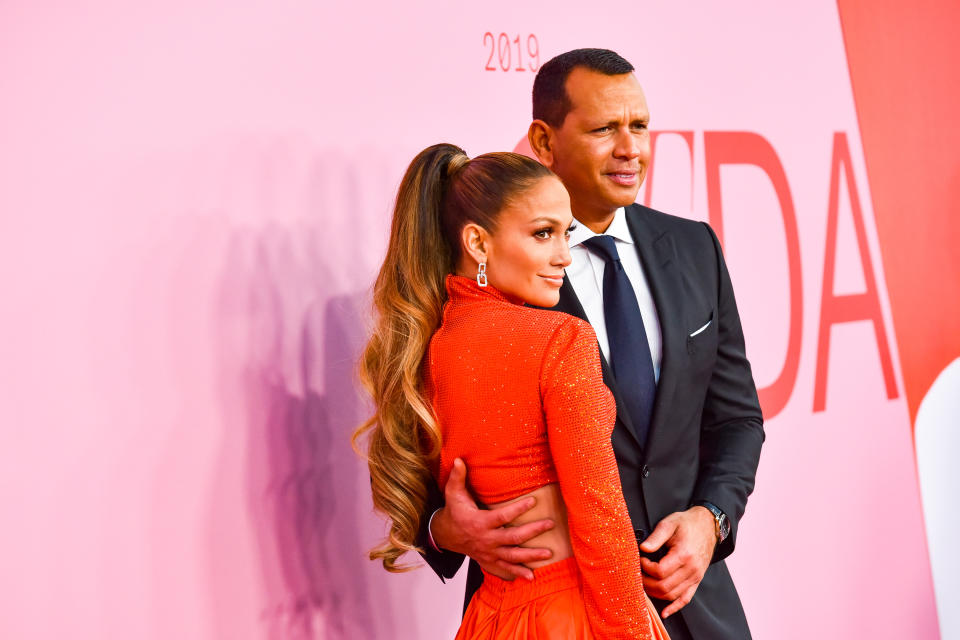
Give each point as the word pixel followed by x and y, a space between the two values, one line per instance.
pixel 602 149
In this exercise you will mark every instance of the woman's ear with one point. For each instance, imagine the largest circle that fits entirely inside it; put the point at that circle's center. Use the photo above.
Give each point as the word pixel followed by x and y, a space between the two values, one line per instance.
pixel 540 137
pixel 474 240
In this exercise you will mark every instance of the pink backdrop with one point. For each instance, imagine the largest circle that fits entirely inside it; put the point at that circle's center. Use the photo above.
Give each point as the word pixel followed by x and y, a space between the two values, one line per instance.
pixel 194 198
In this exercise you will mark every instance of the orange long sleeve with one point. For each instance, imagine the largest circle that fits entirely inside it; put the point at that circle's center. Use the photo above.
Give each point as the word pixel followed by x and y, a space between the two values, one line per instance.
pixel 580 413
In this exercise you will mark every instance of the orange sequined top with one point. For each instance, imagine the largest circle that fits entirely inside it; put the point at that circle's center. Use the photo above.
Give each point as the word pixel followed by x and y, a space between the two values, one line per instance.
pixel 519 396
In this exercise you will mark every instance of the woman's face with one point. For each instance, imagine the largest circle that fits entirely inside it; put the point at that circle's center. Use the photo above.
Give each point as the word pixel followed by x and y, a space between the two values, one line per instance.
pixel 528 252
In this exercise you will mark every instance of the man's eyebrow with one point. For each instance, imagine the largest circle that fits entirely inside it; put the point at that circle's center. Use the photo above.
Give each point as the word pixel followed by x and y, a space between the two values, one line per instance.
pixel 616 120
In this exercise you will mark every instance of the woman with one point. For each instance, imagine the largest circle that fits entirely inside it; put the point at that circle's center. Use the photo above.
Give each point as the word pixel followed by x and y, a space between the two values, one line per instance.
pixel 458 367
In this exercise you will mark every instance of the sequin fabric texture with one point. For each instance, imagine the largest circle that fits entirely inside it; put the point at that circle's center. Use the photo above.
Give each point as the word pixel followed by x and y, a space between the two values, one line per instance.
pixel 519 395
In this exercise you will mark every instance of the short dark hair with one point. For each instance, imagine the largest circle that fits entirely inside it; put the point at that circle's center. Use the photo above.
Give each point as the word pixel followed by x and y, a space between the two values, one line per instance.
pixel 550 100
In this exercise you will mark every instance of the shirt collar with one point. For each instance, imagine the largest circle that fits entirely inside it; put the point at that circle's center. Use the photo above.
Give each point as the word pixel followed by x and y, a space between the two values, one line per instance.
pixel 618 229
pixel 460 288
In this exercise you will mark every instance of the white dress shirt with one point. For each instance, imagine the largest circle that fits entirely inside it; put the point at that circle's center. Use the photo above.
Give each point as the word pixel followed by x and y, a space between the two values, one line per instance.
pixel 586 276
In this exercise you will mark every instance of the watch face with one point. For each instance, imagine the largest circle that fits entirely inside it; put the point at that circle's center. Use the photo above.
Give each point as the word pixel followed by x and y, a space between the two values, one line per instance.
pixel 724 527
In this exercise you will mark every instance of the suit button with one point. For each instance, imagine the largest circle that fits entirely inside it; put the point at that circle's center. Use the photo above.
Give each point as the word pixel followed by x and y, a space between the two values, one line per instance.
pixel 645 471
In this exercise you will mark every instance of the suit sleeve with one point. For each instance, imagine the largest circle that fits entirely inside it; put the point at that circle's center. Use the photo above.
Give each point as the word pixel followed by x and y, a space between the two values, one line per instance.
pixel 580 413
pixel 444 563
pixel 732 424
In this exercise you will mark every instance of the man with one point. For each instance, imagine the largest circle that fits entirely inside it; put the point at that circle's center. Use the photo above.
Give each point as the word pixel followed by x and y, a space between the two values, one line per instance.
pixel 656 289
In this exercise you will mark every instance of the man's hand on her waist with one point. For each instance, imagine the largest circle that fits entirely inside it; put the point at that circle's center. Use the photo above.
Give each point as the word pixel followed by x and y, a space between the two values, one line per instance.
pixel 481 534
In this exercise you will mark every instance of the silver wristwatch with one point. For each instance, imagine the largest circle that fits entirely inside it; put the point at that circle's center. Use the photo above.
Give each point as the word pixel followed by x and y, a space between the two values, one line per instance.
pixel 720 520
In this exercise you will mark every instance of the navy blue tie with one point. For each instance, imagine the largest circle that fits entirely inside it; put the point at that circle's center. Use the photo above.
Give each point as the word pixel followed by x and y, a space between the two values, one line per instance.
pixel 626 336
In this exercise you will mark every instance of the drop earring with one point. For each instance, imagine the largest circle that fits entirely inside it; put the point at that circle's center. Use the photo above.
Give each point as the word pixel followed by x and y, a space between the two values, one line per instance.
pixel 482 274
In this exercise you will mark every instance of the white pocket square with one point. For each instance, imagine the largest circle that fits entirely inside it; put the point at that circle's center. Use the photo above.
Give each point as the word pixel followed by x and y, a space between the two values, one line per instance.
pixel 701 329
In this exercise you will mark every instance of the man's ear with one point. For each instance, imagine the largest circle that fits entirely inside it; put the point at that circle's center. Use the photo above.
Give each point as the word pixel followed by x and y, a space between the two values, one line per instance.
pixel 473 239
pixel 540 137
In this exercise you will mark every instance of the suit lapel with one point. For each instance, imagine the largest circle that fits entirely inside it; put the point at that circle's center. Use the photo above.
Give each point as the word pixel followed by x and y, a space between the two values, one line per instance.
pixel 658 257
pixel 569 303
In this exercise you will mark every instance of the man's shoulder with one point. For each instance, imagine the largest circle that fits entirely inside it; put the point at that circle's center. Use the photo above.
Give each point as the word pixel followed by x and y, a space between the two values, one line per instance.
pixel 682 229
pixel 662 220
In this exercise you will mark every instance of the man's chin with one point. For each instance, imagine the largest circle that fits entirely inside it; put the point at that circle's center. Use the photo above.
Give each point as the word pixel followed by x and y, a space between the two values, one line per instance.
pixel 623 196
pixel 624 201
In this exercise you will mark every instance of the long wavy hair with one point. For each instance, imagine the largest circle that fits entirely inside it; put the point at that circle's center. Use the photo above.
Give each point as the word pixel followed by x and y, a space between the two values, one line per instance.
pixel 442 190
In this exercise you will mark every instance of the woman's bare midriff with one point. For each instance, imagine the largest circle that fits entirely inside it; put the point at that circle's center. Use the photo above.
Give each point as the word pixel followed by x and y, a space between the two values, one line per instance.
pixel 549 505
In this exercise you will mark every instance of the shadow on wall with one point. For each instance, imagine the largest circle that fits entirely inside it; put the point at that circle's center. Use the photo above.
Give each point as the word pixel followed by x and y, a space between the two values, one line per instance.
pixel 289 388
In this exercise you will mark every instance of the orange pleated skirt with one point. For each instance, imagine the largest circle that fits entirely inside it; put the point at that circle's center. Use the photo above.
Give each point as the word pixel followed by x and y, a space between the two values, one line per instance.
pixel 550 607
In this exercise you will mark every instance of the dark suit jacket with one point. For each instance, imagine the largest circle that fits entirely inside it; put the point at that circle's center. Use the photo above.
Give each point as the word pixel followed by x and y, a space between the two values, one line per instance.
pixel 707 429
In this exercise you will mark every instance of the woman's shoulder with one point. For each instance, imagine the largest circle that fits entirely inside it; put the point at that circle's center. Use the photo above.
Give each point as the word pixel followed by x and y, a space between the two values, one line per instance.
pixel 554 321
pixel 557 328
pixel 499 321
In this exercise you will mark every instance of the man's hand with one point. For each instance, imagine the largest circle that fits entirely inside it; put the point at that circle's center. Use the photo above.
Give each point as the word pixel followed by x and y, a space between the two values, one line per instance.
pixel 461 527
pixel 691 536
